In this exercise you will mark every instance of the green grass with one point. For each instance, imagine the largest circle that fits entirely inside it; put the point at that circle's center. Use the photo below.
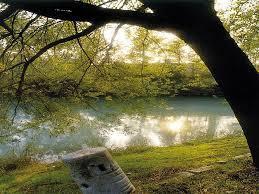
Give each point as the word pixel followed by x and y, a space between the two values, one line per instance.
pixel 151 170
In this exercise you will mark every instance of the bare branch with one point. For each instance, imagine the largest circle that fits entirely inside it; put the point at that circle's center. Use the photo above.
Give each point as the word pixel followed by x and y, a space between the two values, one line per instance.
pixel 28 24
pixel 116 31
pixel 89 58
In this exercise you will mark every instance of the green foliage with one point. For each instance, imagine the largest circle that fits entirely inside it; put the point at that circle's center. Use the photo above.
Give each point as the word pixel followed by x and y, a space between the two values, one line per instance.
pixel 242 20
pixel 122 80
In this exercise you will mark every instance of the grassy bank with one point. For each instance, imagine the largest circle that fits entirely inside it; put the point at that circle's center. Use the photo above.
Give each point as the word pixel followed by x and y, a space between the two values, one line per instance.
pixel 152 170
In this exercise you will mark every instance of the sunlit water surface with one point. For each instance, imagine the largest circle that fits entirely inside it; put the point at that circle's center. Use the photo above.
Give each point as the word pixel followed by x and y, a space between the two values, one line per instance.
pixel 163 122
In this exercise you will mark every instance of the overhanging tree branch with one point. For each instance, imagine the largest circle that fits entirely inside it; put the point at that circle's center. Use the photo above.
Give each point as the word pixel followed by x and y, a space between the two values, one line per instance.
pixel 79 11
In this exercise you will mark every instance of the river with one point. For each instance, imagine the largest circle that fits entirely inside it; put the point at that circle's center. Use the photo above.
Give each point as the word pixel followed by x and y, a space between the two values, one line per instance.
pixel 118 124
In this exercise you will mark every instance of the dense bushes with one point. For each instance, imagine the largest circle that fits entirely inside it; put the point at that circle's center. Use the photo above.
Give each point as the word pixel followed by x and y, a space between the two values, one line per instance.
pixel 121 80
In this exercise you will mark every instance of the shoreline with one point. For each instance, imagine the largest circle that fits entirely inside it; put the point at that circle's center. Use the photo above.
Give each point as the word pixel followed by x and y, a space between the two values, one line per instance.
pixel 151 170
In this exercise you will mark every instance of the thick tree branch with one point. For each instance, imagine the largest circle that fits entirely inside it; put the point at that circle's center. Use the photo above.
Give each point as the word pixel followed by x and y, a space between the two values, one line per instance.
pixel 80 11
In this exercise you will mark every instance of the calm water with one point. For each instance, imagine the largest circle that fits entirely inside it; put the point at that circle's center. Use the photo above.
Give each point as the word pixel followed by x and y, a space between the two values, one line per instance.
pixel 116 124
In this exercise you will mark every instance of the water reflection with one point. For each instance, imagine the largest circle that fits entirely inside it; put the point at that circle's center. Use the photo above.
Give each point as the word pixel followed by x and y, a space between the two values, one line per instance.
pixel 182 120
pixel 162 131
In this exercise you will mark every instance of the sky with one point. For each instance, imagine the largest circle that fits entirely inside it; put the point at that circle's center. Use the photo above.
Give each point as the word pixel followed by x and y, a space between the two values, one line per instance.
pixel 123 41
pixel 222 4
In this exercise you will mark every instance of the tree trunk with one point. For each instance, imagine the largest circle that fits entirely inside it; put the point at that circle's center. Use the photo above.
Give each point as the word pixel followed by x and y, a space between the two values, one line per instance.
pixel 232 70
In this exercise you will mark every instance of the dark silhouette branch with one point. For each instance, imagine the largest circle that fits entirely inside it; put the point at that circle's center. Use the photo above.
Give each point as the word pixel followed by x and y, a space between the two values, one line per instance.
pixel 16 38
pixel 10 10
pixel 79 11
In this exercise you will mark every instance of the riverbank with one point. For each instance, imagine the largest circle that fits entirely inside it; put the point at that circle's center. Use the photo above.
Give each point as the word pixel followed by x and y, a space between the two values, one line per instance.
pixel 196 167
